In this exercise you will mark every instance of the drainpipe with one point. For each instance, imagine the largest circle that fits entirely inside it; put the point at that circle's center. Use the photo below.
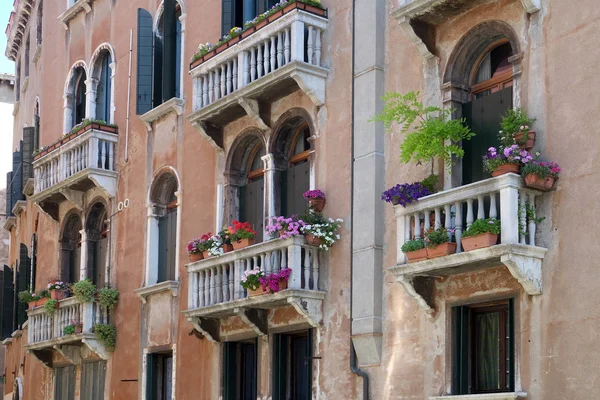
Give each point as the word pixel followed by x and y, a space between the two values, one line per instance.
pixel 353 362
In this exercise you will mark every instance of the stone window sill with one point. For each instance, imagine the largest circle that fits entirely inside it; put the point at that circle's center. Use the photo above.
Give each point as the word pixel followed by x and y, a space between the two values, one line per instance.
pixel 176 105
pixel 487 396
pixel 145 292
pixel 79 6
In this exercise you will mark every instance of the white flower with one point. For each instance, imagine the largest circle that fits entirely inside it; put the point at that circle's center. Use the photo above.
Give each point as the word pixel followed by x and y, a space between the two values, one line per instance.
pixel 522 127
pixel 339 220
pixel 337 237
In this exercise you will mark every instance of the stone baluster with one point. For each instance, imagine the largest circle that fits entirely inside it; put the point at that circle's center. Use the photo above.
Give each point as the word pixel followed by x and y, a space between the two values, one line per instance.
pixel 219 284
pixel 217 84
pixel 522 217
pixel 253 70
pixel 201 291
pixel 223 75
pixel 234 74
pixel 286 46
pixel 417 218
pixel 244 66
pixel 295 263
pixel 493 207
pixel 104 155
pixel 211 88
pixel 310 46
pixel 509 207
pixel 470 217
pixel 426 221
pixel 315 270
pixel 284 259
pixel 532 224
pixel 231 281
pixel 306 262
pixel 318 47
pixel 458 225
pixel 207 276
pixel 229 76
pixel 273 53
pixel 206 91
pixel 94 151
pixel 438 218
pixel 266 58
pixel 259 62
pixel 280 49
pixel 213 285
pixel 193 292
pixel 480 207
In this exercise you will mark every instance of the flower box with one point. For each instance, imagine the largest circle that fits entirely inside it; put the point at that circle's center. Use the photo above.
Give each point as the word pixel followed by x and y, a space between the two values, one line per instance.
pixel 78 329
pixel 196 257
pixel 535 181
pixel 417 255
pixel 260 291
pixel 58 294
pixel 441 250
pixel 313 240
pixel 527 145
pixel 506 169
pixel 240 244
pixel 227 248
pixel 206 254
pixel 317 204
pixel 479 241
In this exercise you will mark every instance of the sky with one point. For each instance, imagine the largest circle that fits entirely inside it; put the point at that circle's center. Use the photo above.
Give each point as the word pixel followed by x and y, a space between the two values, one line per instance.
pixel 6 129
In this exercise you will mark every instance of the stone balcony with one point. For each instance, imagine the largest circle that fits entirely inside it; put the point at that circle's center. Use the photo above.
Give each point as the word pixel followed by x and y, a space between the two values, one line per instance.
pixel 215 291
pixel 67 169
pixel 266 65
pixel 47 341
pixel 457 209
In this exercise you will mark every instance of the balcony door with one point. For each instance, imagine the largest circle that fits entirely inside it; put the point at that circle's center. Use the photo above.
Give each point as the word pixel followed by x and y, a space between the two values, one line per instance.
pixel 296 179
pixel 252 194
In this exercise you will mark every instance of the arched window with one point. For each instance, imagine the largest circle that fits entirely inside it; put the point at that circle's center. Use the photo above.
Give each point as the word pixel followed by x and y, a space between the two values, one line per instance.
pixel 162 230
pixel 40 22
pixel 494 72
pixel 97 244
pixel 79 96
pixel 103 80
pixel 70 249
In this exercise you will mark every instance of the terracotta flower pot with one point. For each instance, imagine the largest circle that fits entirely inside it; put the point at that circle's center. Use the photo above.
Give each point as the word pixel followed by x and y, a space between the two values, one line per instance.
pixel 314 10
pixel 248 32
pixel 78 329
pixel 417 255
pixel 506 169
pixel 260 291
pixel 275 16
pixel 41 302
pixel 289 8
pixel 444 249
pixel 537 182
pixel 32 304
pixel 313 240
pixel 206 254
pixel 196 257
pixel 479 241
pixel 227 248
pixel 221 48
pixel 243 243
pixel 528 144
pixel 261 24
pixel 58 294
pixel 233 41
pixel 317 204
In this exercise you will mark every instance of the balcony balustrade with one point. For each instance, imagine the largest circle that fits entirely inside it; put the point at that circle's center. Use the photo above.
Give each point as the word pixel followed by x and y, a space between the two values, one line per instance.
pixel 262 67
pixel 504 197
pixel 46 332
pixel 74 165
pixel 215 290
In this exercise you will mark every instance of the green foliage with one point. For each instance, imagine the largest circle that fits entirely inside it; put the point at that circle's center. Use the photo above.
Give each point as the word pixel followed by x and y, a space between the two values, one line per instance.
pixel 413 245
pixel 487 225
pixel 69 330
pixel 50 307
pixel 26 296
pixel 108 297
pixel 430 182
pixel 432 127
pixel 84 291
pixel 529 211
pixel 435 237
pixel 513 122
pixel 107 334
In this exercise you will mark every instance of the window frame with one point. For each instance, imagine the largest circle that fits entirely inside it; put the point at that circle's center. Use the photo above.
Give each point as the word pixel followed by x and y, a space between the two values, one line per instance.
pixel 283 364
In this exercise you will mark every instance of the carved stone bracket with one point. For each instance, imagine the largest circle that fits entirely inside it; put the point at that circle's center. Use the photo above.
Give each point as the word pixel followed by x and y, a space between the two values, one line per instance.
pixel 208 327
pixel 311 309
pixel 108 184
pixel 312 81
pixel 255 319
pixel 420 289
pixel 212 133
pixel 527 270
pixel 44 356
pixel 97 347
pixel 74 197
pixel 253 110
pixel 70 352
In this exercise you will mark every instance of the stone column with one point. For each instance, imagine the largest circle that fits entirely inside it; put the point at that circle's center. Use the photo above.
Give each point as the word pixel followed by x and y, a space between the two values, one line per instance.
pixel 68 113
pixel 369 181
pixel 152 246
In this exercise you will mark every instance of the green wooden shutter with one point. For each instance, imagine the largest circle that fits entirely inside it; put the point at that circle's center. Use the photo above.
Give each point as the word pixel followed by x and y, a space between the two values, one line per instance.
pixel 9 181
pixel 280 344
pixel 157 72
pixel 171 244
pixel 151 377
pixel 228 16
pixel 64 383
pixel 17 177
pixel 460 350
pixel 169 60
pixel 33 261
pixel 145 37
pixel 178 61
pixel 6 299
pixel 510 348
pixel 92 380
pixel 103 93
pixel 296 181
pixel 28 148
pixel 229 370
pixel 163 247
pixel 24 276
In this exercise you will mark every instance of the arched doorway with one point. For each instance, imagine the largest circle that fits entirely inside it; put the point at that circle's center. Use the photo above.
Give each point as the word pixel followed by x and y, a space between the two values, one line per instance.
pixel 97 244
pixel 79 96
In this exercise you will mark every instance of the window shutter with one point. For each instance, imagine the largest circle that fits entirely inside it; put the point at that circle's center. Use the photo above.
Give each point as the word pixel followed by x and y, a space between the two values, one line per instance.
pixel 171 244
pixel 36 137
pixel 279 366
pixel 227 16
pixel 229 370
pixel 9 179
pixel 460 350
pixel 24 279
pixel 33 260
pixel 151 377
pixel 178 61
pixel 163 234
pixel 28 148
pixel 145 38
pixel 64 387
pixel 157 72
pixel 6 302
pixel 510 348
pixel 169 50
pixel 103 91
pixel 17 177
pixel 93 380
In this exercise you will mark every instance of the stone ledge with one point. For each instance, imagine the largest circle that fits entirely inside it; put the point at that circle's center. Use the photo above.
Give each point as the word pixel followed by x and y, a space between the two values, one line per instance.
pixel 145 292
pixel 79 6
pixel 10 223
pixel 486 396
pixel 175 105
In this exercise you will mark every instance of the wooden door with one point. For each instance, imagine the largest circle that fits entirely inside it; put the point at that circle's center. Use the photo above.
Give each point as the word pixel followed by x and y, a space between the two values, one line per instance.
pixel 252 197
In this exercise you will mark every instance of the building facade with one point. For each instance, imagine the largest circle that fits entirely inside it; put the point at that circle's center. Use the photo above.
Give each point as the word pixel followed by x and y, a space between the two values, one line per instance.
pixel 130 140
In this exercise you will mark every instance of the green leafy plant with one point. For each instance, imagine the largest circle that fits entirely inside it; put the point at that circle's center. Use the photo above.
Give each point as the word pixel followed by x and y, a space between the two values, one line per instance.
pixel 435 237
pixel 84 291
pixel 87 122
pixel 487 225
pixel 513 122
pixel 530 215
pixel 430 182
pixel 108 297
pixel 434 133
pixel 26 297
pixel 413 245
pixel 50 307
pixel 107 334
pixel 69 330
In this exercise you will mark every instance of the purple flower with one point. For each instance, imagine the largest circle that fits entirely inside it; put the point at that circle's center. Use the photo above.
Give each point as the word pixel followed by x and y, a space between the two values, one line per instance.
pixel 405 194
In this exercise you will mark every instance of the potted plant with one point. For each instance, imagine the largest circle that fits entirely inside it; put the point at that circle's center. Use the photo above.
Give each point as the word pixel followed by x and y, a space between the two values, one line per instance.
pixel 405 194
pixel 431 133
pixel 322 235
pixel 58 290
pixel 515 129
pixel 107 334
pixel 194 250
pixel 50 307
pixel 226 240
pixel 206 244
pixel 28 298
pixel 541 175
pixel 285 227
pixel 276 281
pixel 250 281
pixel 415 250
pixel 84 291
pixel 108 297
pixel 439 243
pixel 242 235
pixel 74 328
pixel 316 199
pixel 482 233
pixel 505 160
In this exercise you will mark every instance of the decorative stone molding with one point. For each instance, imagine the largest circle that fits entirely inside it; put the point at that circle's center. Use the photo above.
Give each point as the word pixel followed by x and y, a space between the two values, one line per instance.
pixel 74 10
pixel 175 105
pixel 28 189
pixel 18 27
pixel 486 396
pixel 19 207
pixel 10 223
pixel 145 292
pixel 25 85
pixel 37 53
pixel 517 249
pixel 253 110
pixel 16 108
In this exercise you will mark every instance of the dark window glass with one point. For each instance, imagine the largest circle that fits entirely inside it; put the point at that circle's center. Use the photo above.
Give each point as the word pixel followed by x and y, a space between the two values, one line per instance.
pixel 103 92
pixel 292 366
pixel 239 370
pixel 64 383
pixel 79 96
pixel 159 376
